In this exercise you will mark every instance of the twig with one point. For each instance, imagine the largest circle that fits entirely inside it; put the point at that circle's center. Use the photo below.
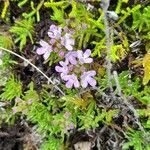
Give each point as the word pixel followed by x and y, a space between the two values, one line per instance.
pixel 109 42
pixel 105 5
pixel 26 60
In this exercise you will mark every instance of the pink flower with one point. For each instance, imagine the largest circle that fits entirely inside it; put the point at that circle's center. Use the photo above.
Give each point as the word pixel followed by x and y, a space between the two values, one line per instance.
pixel 29 102
pixel 71 126
pixel 52 41
pixel 87 78
pixel 63 69
pixel 71 67
pixel 61 54
pixel 45 50
pixel 72 80
pixel 55 32
pixel 17 99
pixel 14 109
pixel 71 57
pixel 67 115
pixel 68 41
pixel 84 57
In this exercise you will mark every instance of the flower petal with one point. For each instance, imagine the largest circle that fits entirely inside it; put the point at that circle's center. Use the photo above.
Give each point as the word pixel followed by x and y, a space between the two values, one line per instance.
pixel 43 43
pixel 68 47
pixel 69 84
pixel 58 69
pixel 88 60
pixel 91 73
pixel 46 55
pixel 71 57
pixel 92 82
pixel 76 84
pixel 65 77
pixel 87 53
pixel 53 27
pixel 73 61
pixel 84 83
pixel 80 54
pixel 62 63
pixel 51 34
pixel 52 41
pixel 61 53
pixel 40 51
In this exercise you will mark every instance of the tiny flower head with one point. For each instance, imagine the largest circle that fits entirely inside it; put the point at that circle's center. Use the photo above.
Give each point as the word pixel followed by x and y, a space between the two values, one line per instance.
pixel 71 57
pixel 61 53
pixel 71 67
pixel 14 109
pixel 54 32
pixel 87 78
pixel 72 80
pixel 67 30
pixel 63 69
pixel 29 102
pixel 67 115
pixel 52 41
pixel 17 99
pixel 44 50
pixel 84 57
pixel 68 41
pixel 70 126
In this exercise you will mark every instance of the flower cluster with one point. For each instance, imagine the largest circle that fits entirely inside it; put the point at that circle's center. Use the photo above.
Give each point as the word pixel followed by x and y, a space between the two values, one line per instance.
pixel 73 70
pixel 60 42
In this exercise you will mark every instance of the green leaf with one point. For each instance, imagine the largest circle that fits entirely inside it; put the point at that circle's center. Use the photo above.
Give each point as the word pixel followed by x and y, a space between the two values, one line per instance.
pixel 12 89
pixel 23 30
pixel 141 21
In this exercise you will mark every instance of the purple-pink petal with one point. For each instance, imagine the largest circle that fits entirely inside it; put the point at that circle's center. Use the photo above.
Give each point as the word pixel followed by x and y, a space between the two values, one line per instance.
pixel 92 82
pixel 88 60
pixel 53 27
pixel 44 50
pixel 84 57
pixel 61 53
pixel 87 78
pixel 52 41
pixel 72 80
pixel 69 84
pixel 76 83
pixel 87 53
pixel 46 55
pixel 59 69
pixel 91 73
pixel 43 43
pixel 64 63
pixel 68 41
pixel 63 69
pixel 80 56
pixel 71 57
pixel 40 51
pixel 55 32
pixel 84 83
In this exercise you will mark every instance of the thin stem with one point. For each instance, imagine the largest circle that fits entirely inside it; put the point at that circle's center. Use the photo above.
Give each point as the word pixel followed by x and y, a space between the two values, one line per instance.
pixel 109 43
pixel 26 60
pixel 105 5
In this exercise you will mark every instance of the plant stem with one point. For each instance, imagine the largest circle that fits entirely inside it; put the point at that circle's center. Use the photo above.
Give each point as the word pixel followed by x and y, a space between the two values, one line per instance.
pixel 109 43
pixel 105 5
